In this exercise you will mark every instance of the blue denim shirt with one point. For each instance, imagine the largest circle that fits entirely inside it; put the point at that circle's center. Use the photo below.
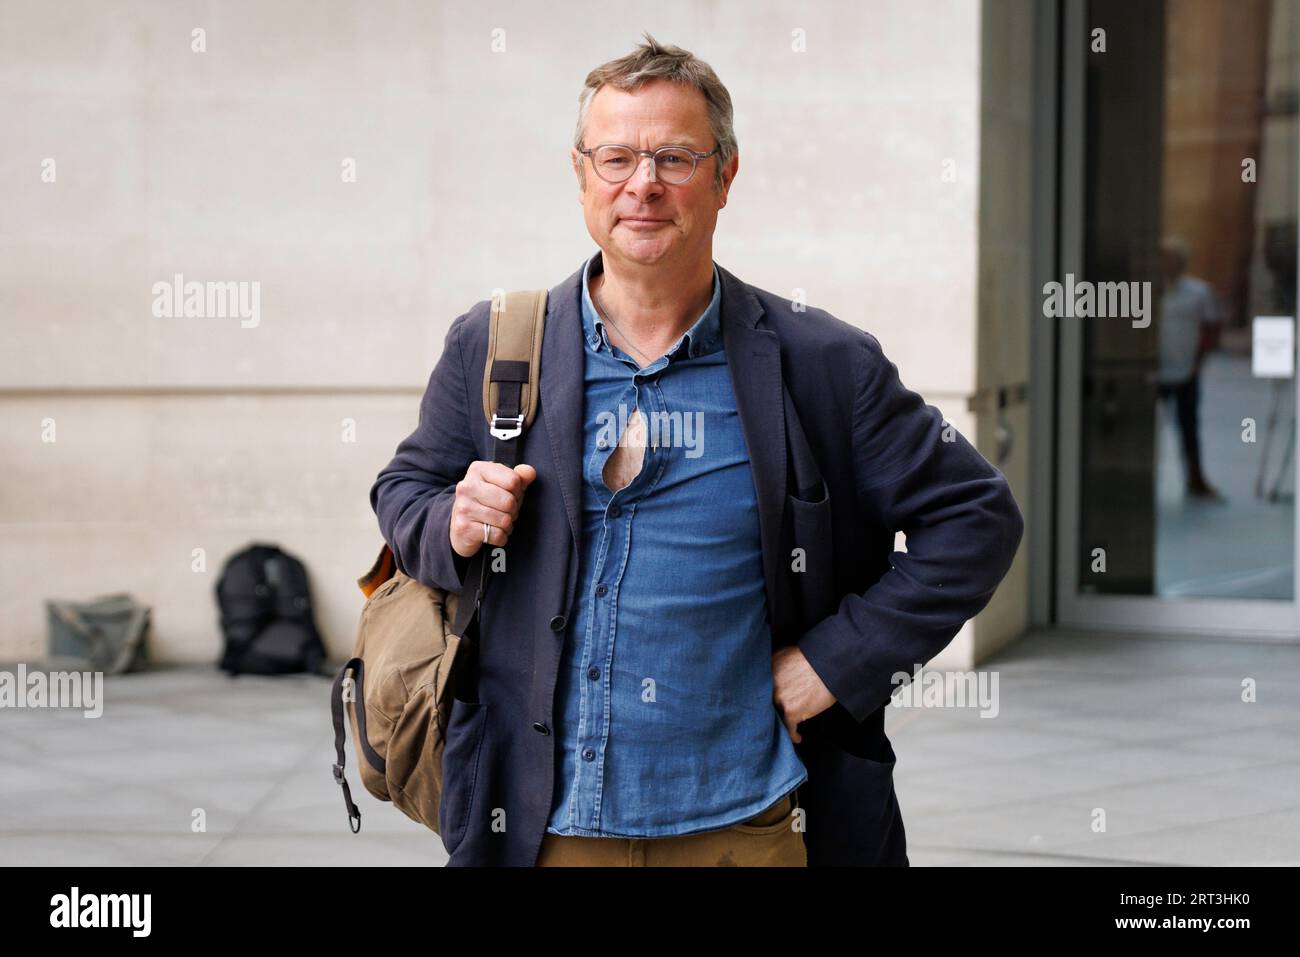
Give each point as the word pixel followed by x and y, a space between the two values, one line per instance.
pixel 665 722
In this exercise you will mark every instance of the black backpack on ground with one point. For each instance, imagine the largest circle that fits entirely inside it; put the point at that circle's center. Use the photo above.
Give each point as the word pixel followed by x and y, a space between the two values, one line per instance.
pixel 266 614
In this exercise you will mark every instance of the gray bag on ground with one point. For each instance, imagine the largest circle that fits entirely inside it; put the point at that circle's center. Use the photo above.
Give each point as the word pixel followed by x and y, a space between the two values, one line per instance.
pixel 105 634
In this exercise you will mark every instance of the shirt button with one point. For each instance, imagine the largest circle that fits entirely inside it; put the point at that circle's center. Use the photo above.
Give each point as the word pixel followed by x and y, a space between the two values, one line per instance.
pixel 593 673
pixel 601 443
pixel 615 511
pixel 601 589
pixel 557 623
pixel 589 755
pixel 541 728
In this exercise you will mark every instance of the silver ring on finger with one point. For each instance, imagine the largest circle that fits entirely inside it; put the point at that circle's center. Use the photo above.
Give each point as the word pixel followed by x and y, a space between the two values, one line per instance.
pixel 486 530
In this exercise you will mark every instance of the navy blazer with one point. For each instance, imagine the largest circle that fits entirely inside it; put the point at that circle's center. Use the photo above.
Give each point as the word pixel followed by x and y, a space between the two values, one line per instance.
pixel 842 454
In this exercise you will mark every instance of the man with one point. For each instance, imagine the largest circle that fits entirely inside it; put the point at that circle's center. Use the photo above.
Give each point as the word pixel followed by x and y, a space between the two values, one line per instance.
pixel 1190 321
pixel 688 657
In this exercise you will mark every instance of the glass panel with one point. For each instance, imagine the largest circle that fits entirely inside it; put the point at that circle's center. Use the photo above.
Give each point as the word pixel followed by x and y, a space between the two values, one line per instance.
pixel 1187 458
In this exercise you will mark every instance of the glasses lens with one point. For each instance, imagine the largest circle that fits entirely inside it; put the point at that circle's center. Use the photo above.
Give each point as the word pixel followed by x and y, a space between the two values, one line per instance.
pixel 674 165
pixel 614 163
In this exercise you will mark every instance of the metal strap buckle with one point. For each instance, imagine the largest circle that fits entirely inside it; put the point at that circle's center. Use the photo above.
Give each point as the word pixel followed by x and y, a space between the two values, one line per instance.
pixel 510 432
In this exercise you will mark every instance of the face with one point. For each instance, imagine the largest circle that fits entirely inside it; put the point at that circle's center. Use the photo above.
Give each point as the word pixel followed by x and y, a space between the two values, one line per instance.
pixel 642 220
pixel 1171 262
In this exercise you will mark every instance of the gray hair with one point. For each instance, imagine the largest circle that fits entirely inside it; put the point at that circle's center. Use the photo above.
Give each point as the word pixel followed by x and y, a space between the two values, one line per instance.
pixel 651 61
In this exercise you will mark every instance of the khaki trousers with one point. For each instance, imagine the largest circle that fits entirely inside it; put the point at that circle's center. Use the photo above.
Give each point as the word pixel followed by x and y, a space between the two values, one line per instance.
pixel 769 839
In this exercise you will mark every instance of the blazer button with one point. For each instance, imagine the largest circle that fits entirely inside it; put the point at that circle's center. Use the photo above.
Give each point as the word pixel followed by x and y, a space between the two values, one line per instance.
pixel 541 728
pixel 557 623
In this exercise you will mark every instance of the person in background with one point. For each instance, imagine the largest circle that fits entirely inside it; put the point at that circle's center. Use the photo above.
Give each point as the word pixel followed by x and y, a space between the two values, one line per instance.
pixel 1190 321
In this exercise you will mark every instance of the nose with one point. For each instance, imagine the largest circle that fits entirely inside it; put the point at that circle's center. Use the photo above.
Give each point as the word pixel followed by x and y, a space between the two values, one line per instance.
pixel 645 181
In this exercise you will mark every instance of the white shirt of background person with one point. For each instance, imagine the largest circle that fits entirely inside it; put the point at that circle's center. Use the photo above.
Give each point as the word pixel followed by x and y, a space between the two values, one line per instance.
pixel 1185 305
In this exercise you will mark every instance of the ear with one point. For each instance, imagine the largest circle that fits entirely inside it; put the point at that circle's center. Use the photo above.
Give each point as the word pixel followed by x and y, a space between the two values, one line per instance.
pixel 728 176
pixel 579 169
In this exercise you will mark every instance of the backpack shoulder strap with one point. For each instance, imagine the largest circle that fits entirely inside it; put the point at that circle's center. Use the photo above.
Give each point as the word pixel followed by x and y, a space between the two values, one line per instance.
pixel 510 391
pixel 514 357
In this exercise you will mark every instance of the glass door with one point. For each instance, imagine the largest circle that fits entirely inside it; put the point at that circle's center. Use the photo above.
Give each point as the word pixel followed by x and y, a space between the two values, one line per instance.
pixel 1175 309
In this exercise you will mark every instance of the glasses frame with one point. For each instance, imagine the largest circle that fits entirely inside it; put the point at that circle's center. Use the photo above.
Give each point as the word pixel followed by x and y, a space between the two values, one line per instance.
pixel 653 154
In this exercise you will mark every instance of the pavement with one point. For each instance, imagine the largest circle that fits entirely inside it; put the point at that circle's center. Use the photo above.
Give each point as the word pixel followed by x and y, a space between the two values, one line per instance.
pixel 1104 750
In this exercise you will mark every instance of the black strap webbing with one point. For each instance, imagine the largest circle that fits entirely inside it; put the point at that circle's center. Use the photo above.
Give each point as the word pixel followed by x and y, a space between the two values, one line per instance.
pixel 505 451
pixel 340 725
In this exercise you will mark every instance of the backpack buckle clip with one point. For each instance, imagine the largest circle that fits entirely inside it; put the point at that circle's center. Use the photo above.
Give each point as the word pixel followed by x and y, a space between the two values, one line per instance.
pixel 510 432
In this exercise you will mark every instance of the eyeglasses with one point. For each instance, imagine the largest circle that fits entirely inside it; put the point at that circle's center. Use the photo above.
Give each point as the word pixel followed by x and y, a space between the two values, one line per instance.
pixel 615 163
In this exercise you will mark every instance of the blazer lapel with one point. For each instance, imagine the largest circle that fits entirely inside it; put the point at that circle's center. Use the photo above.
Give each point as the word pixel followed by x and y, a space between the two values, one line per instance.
pixel 754 359
pixel 561 394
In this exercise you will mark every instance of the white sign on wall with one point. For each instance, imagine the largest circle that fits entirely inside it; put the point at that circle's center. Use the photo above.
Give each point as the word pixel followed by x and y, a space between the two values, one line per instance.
pixel 1272 352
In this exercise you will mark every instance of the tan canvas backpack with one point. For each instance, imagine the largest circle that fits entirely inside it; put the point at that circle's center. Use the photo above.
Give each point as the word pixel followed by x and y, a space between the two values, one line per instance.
pixel 412 645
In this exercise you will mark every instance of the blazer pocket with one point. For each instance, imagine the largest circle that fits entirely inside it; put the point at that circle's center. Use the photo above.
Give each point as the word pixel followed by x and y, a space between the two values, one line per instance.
pixel 460 759
pixel 813 581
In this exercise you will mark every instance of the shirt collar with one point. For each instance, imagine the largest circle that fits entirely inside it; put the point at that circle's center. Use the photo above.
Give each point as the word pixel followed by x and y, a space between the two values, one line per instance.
pixel 701 338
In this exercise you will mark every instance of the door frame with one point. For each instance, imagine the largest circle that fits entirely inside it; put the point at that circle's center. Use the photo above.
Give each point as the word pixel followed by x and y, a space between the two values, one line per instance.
pixel 1060 350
